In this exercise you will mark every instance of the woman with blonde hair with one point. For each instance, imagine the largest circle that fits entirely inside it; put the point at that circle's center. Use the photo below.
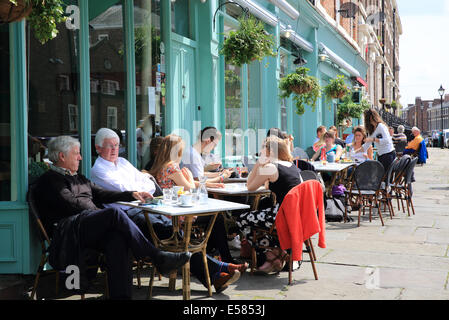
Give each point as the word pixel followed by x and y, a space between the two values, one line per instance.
pixel 275 170
pixel 167 172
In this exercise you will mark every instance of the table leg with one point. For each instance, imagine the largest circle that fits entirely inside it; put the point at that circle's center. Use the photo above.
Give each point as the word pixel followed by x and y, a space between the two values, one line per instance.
pixel 186 281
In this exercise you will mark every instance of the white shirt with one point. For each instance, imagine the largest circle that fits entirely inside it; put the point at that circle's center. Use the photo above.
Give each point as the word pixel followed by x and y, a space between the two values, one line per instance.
pixel 385 144
pixel 120 176
pixel 358 155
pixel 192 160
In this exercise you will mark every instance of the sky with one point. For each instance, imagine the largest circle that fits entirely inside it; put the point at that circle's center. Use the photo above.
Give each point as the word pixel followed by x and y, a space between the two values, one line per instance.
pixel 424 49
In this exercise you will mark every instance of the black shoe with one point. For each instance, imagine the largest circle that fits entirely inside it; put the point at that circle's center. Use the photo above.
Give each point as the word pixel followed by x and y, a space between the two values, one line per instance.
pixel 169 261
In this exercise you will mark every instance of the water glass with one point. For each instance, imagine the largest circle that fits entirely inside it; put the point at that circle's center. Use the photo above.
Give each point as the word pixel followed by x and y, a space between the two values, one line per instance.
pixel 167 192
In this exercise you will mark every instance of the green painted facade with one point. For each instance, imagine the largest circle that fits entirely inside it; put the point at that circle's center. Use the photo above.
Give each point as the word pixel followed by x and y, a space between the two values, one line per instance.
pixel 195 95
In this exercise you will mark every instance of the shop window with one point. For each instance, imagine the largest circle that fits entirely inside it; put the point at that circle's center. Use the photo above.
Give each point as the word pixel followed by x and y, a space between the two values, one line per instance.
pixel 107 66
pixel 5 116
pixel 150 75
pixel 52 81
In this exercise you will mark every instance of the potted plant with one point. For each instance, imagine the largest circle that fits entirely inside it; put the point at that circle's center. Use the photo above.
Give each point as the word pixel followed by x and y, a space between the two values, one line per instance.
pixel 348 109
pixel 250 42
pixel 306 89
pixel 43 15
pixel 336 88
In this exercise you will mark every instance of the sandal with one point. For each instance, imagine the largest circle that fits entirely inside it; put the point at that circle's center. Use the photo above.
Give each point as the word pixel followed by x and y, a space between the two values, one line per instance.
pixel 275 261
pixel 281 258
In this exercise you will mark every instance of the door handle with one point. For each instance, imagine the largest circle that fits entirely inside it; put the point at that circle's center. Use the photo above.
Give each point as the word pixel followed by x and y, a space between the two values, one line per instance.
pixel 183 91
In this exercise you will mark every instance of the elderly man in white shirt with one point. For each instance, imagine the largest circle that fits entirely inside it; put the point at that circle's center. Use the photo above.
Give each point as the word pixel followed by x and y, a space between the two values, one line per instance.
pixel 112 172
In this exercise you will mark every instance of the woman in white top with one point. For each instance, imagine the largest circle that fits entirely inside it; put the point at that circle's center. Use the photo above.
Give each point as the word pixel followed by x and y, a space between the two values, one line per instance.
pixel 358 151
pixel 379 134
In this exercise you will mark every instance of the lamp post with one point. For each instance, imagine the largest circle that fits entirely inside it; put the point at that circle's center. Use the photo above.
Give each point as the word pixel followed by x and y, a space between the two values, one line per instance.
pixel 422 118
pixel 441 93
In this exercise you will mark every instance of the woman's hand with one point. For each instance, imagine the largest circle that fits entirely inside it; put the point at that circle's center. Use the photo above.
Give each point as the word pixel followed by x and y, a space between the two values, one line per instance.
pixel 214 185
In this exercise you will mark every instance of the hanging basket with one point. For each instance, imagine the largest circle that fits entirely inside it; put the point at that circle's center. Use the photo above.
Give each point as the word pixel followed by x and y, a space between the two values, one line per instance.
pixel 340 94
pixel 10 12
pixel 301 88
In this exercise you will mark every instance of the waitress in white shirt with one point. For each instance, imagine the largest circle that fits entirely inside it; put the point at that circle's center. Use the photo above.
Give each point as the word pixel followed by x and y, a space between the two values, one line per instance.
pixel 378 133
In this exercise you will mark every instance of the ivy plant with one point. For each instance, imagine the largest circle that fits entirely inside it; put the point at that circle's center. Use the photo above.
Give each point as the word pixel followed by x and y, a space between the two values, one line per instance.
pixel 250 42
pixel 44 17
pixel 336 88
pixel 306 89
pixel 348 109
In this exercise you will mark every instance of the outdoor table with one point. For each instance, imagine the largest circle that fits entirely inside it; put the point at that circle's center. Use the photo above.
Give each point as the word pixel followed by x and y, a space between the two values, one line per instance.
pixel 239 189
pixel 235 180
pixel 335 168
pixel 177 243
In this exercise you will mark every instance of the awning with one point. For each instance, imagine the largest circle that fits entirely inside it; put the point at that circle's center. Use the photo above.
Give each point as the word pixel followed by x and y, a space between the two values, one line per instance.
pixel 361 81
pixel 297 39
pixel 286 7
pixel 260 12
pixel 339 61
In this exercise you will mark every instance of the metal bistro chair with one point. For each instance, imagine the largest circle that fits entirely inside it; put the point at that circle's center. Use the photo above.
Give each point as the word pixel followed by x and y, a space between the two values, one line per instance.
pixel 259 233
pixel 397 176
pixel 385 186
pixel 366 188
pixel 402 188
pixel 45 244
pixel 399 147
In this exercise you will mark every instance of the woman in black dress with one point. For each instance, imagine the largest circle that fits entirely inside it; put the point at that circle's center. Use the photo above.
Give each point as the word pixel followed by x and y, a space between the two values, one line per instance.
pixel 275 170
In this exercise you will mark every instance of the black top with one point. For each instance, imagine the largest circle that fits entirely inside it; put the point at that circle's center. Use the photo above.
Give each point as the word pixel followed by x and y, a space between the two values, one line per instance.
pixel 288 178
pixel 59 196
pixel 340 142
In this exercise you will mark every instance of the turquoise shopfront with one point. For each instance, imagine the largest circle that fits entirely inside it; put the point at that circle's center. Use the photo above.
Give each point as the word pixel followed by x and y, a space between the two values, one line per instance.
pixel 147 68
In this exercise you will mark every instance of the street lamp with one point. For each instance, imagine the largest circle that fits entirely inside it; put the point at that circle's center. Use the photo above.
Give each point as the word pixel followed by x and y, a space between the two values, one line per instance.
pixel 441 93
pixel 422 118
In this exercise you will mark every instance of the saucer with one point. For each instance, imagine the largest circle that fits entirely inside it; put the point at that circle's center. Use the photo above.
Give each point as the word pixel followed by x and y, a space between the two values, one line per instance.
pixel 184 205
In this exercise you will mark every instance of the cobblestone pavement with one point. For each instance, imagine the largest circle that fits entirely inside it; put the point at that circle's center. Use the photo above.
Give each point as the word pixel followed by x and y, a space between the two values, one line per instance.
pixel 405 259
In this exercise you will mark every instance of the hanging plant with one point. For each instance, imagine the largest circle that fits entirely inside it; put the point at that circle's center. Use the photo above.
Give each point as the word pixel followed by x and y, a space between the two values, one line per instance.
pixel 250 42
pixel 336 89
pixel 305 88
pixel 348 109
pixel 43 15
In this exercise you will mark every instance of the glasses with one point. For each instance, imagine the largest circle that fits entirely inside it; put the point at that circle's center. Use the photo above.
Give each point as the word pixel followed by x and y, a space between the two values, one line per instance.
pixel 111 146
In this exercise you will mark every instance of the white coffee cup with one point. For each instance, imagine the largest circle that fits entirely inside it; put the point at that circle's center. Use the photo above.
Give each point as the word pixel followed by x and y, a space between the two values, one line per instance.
pixel 186 199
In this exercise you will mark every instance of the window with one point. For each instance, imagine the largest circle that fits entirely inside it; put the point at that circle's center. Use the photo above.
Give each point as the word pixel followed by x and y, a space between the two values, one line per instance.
pixel 180 18
pixel 73 117
pixel 52 92
pixel 112 118
pixel 150 75
pixel 107 67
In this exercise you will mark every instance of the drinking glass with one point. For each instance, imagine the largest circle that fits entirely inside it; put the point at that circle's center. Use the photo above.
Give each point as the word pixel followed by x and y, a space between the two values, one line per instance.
pixel 167 192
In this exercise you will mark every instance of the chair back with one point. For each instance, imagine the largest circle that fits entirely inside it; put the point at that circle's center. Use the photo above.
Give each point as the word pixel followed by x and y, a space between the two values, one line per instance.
pixel 409 170
pixel 399 169
pixel 304 165
pixel 310 152
pixel 43 235
pixel 388 177
pixel 299 153
pixel 368 175
pixel 309 175
pixel 400 146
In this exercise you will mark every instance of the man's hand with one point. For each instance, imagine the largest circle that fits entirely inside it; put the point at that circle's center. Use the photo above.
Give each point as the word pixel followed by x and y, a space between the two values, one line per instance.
pixel 142 196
